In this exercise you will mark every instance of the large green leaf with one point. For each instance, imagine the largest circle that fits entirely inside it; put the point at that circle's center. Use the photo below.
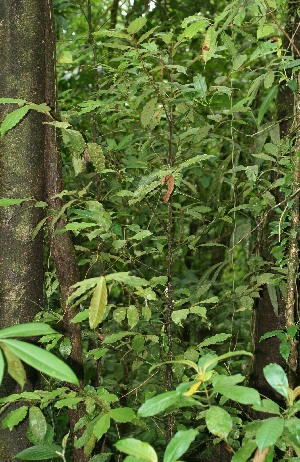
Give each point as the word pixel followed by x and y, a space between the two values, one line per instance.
pixel 40 452
pixel 218 421
pixel 14 417
pixel 179 444
pixel 98 303
pixel 37 425
pixel 12 119
pixel 137 448
pixel 136 25
pixel 277 378
pixel 42 360
pixel 158 403
pixel 239 393
pixel 122 414
pixel 269 432
pixel 30 329
pixel 101 426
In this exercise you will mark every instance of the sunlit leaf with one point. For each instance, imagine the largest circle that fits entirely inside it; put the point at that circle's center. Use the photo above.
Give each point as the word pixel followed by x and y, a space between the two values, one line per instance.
pixel 30 329
pixel 102 426
pixel 179 444
pixel 40 452
pixel 137 448
pixel 136 25
pixel 277 378
pixel 218 421
pixel 15 367
pixel 12 119
pixel 14 417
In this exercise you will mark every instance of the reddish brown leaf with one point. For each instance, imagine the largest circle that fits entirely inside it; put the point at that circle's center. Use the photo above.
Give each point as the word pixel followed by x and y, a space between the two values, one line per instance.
pixel 169 179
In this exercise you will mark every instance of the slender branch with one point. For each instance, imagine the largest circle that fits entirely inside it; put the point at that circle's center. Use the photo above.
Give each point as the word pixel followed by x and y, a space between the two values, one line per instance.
pixel 294 251
pixel 291 41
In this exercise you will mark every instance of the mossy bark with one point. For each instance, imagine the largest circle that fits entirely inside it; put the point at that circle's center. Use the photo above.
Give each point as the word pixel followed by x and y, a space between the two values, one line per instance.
pixel 22 76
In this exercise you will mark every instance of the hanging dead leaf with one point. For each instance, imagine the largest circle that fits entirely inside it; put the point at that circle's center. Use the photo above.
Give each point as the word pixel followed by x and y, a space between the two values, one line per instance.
pixel 260 456
pixel 169 179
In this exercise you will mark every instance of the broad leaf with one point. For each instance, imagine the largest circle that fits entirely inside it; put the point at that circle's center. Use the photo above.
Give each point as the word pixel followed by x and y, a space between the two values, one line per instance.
pixel 269 432
pixel 277 378
pixel 42 360
pixel 179 444
pixel 101 426
pixel 98 303
pixel 239 393
pixel 37 424
pixel 14 417
pixel 12 119
pixel 218 422
pixel 136 25
pixel 148 112
pixel 137 448
pixel 30 329
pixel 40 452
pixel 122 415
pixel 158 404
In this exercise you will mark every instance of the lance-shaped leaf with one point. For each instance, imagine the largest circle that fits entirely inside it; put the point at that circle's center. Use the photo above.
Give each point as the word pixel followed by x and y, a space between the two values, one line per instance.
pixel 14 417
pixel 136 25
pixel 179 444
pixel 12 119
pixel 98 303
pixel 2 366
pixel 40 452
pixel 30 329
pixel 40 359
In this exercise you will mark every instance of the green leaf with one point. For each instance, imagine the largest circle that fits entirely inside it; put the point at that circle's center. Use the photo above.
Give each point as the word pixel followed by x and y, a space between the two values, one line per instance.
pixel 12 119
pixel 37 424
pixel 126 279
pixel 180 315
pixel 102 426
pixel 238 61
pixel 20 102
pixel 15 367
pixel 137 448
pixel 158 403
pixel 200 85
pixel 40 452
pixel 179 444
pixel 269 432
pixel 132 316
pixel 96 156
pixel 266 103
pixel 267 405
pixel 218 422
pixel 277 378
pixel 218 338
pixel 42 360
pixel 243 454
pixel 7 202
pixel 14 417
pixel 30 329
pixel 136 25
pixel 69 402
pixel 239 393
pixel 98 303
pixel 2 366
pixel 148 112
pixel 82 316
pixel 122 415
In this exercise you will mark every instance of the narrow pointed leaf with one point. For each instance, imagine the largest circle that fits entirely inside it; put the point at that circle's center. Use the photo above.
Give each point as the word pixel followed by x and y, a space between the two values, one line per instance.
pixel 137 448
pixel 12 119
pixel 30 329
pixel 42 360
pixel 98 303
pixel 158 404
pixel 179 444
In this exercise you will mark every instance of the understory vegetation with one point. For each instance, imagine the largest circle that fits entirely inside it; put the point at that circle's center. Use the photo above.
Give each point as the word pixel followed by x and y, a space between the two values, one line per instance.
pixel 178 128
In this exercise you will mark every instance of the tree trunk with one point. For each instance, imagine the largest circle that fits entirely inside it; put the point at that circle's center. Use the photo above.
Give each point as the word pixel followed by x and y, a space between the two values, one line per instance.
pixel 22 52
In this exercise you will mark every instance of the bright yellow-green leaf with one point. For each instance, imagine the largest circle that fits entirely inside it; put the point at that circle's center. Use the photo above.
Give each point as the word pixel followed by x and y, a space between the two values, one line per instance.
pixel 98 303
pixel 14 417
pixel 136 25
pixel 12 119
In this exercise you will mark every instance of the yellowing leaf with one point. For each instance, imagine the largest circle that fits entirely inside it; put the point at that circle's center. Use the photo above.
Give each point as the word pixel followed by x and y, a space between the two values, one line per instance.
pixel 15 367
pixel 98 303
pixel 136 25
pixel 210 44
